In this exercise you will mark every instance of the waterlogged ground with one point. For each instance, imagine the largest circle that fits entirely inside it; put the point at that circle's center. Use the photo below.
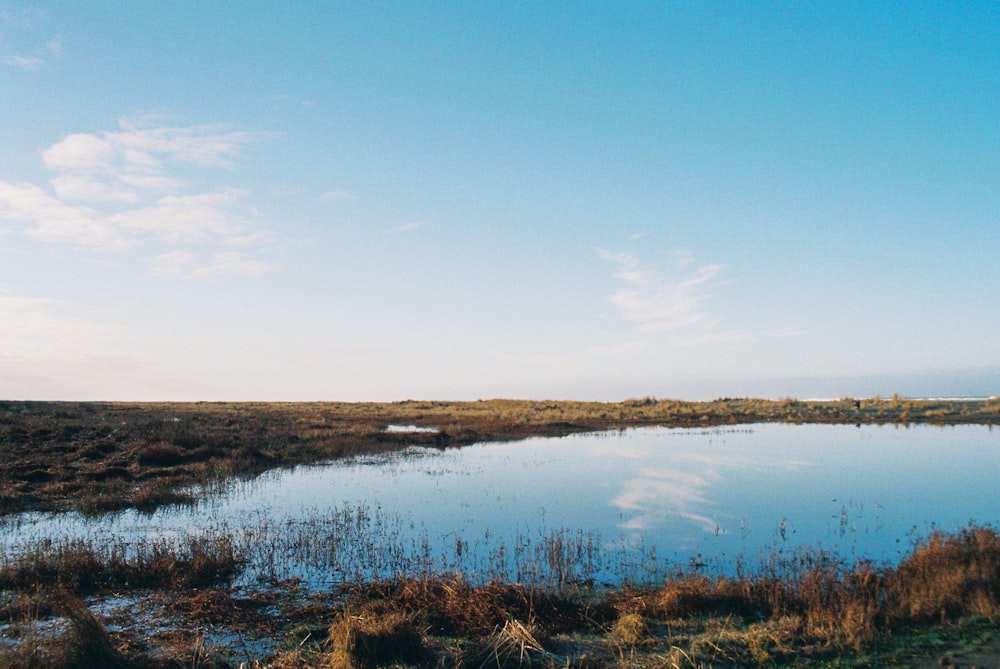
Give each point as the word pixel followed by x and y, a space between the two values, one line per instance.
pixel 302 547
pixel 608 507
pixel 96 457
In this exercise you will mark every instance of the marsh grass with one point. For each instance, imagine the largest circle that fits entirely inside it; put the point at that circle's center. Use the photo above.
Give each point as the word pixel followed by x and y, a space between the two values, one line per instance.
pixel 808 606
pixel 513 645
pixel 630 628
pixel 82 566
pixel 80 642
pixel 946 576
pixel 95 457
pixel 368 642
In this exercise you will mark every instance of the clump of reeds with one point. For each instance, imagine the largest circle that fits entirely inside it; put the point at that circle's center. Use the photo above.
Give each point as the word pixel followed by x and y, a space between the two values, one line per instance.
pixel 451 606
pixel 514 645
pixel 840 606
pixel 151 495
pixel 85 643
pixel 368 642
pixel 82 642
pixel 693 595
pixel 83 567
pixel 731 642
pixel 630 628
pixel 948 575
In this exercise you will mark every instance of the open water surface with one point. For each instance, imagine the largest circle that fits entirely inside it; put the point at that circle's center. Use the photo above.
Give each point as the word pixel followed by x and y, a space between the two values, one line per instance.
pixel 621 505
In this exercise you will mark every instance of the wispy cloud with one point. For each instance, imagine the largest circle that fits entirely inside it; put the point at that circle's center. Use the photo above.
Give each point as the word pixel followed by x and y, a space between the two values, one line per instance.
pixel 32 53
pixel 49 350
pixel 337 195
pixel 118 189
pixel 415 225
pixel 25 62
pixel 658 494
pixel 187 265
pixel 50 219
pixel 655 302
pixel 539 361
pixel 37 328
pixel 55 46
pixel 619 349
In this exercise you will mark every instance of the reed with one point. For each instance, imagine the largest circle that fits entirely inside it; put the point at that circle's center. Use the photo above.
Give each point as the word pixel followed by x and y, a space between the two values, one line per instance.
pixel 947 576
pixel 82 642
pixel 514 645
pixel 385 592
pixel 365 642
pixel 85 566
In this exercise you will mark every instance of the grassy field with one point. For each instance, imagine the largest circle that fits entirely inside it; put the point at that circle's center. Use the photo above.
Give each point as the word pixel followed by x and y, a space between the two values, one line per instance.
pixel 174 604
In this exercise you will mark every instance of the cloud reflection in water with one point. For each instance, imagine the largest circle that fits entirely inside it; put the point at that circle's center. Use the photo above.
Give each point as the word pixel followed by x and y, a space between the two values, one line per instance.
pixel 660 495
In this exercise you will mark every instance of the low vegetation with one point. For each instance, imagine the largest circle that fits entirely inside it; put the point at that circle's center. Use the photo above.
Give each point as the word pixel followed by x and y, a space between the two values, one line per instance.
pixel 807 610
pixel 189 603
pixel 96 457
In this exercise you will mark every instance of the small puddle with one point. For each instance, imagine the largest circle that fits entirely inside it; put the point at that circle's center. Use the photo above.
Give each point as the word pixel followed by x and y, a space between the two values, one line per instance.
pixel 412 429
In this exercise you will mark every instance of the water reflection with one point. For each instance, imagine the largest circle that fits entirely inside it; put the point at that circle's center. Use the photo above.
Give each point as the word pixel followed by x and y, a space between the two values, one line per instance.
pixel 627 502
pixel 658 494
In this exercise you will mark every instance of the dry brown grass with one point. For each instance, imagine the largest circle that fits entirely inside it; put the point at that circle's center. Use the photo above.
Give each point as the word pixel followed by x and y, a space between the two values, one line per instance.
pixel 81 568
pixel 82 643
pixel 812 603
pixel 512 646
pixel 630 628
pixel 368 642
pixel 687 596
pixel 947 576
pixel 100 456
pixel 452 606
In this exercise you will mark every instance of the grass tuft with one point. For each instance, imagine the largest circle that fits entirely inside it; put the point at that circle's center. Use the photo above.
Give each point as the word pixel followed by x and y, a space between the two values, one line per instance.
pixel 368 642
pixel 513 646
pixel 83 642
pixel 630 628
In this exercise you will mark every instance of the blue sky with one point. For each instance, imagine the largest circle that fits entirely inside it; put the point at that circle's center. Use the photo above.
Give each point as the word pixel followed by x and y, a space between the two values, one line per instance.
pixel 381 201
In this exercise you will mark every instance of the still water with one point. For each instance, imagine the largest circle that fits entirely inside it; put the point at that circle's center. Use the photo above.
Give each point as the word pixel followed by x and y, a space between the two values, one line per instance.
pixel 651 499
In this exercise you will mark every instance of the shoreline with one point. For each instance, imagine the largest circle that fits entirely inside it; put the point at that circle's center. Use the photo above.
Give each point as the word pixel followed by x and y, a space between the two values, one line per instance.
pixel 101 456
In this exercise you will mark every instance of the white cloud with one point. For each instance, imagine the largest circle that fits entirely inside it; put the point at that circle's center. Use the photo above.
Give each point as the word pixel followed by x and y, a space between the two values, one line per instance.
pixel 337 195
pixel 52 220
pixel 38 329
pixel 657 303
pixel 84 188
pixel 134 149
pixel 186 265
pixel 233 264
pixel 21 27
pixel 119 189
pixel 186 218
pixel 623 348
pixel 172 265
pixel 54 46
pixel 415 225
pixel 659 494
pixel 25 62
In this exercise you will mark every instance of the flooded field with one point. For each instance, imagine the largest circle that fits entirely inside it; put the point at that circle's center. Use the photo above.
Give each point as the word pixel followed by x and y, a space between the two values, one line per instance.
pixel 607 507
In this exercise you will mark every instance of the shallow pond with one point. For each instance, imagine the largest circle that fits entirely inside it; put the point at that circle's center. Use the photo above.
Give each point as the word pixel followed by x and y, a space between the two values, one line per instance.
pixel 610 506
